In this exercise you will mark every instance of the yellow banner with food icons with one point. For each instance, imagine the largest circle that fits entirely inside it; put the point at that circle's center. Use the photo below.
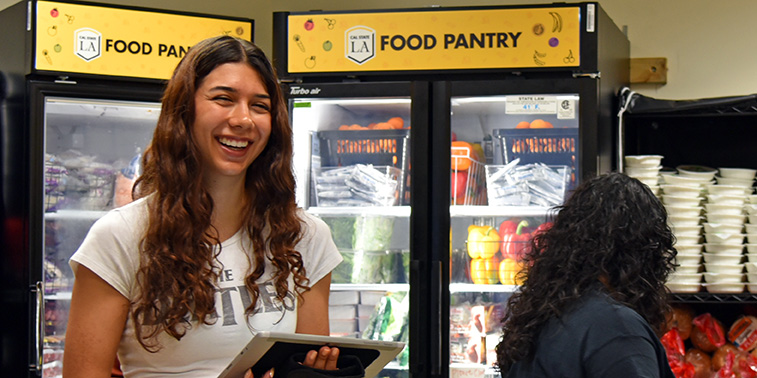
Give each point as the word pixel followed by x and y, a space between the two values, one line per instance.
pixel 434 40
pixel 97 40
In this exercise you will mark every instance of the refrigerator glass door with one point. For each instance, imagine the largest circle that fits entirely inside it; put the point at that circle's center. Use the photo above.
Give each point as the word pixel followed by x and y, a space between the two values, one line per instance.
pixel 92 150
pixel 352 166
pixel 513 157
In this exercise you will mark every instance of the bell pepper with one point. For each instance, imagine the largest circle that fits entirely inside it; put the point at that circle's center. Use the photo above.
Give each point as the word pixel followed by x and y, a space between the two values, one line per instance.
pixel 507 227
pixel 542 227
pixel 514 245
pixel 508 272
pixel 485 271
pixel 483 242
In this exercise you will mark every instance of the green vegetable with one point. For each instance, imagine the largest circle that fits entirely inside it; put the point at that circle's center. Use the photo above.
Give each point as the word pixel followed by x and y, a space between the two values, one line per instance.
pixel 342 230
pixel 379 320
pixel 367 267
pixel 343 272
pixel 395 267
pixel 373 233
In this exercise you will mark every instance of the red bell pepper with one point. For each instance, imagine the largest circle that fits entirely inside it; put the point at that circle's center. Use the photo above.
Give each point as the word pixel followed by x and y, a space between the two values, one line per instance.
pixel 542 227
pixel 515 244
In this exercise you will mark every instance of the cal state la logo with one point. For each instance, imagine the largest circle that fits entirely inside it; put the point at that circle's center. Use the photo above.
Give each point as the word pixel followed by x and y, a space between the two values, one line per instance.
pixel 87 43
pixel 360 44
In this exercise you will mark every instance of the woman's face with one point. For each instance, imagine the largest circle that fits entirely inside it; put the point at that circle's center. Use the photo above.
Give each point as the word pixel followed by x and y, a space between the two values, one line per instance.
pixel 232 121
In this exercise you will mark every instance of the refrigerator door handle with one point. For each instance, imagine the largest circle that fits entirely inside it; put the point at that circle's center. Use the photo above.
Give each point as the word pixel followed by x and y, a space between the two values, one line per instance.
pixel 38 327
pixel 591 75
pixel 436 363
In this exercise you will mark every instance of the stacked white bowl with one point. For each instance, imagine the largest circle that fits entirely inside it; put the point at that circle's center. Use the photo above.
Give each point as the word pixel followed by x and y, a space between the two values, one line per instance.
pixel 645 168
pixel 725 211
pixel 683 195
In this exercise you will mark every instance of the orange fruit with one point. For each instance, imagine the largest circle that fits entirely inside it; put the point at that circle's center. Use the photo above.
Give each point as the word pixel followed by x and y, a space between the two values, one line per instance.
pixel 344 127
pixel 396 122
pixel 383 126
pixel 540 124
pixel 523 125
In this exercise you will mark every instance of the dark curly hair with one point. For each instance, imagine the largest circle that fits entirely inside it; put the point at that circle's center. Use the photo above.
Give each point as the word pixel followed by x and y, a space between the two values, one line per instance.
pixel 613 229
pixel 178 268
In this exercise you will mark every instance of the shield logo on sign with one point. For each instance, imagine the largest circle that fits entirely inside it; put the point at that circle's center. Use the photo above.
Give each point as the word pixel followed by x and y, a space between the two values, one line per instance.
pixel 360 44
pixel 87 43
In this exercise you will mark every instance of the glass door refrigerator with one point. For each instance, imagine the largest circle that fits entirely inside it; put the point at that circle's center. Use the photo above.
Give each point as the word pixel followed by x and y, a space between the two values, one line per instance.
pixel 81 89
pixel 352 163
pixel 502 111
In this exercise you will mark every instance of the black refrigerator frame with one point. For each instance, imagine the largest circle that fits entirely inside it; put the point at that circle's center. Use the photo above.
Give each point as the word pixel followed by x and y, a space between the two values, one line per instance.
pixel 24 330
pixel 603 71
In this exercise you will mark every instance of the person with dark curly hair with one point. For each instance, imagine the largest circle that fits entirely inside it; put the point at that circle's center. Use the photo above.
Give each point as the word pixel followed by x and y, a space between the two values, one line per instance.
pixel 213 249
pixel 593 301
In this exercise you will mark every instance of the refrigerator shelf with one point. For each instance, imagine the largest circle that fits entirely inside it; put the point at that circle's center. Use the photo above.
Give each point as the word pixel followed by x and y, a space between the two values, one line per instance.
pixel 473 288
pixel 497 211
pixel 388 211
pixel 59 296
pixel 75 215
pixel 370 287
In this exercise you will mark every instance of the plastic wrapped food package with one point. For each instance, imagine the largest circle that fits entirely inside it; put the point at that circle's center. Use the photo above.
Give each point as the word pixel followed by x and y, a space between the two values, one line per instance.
pixel 390 321
pixel 357 185
pixel 75 180
pixel 526 185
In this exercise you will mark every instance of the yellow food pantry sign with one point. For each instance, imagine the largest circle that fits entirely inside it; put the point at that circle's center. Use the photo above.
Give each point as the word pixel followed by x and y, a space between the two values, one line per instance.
pixel 434 40
pixel 121 42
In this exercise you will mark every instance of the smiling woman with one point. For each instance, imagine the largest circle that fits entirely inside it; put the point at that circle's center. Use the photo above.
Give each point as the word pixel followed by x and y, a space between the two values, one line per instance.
pixel 233 122
pixel 213 249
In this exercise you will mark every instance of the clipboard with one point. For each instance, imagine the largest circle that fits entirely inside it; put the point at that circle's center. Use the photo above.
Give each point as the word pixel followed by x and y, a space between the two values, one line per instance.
pixel 268 349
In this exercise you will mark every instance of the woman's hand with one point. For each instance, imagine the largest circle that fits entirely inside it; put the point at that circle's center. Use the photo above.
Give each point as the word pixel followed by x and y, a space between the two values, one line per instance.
pixel 249 374
pixel 324 359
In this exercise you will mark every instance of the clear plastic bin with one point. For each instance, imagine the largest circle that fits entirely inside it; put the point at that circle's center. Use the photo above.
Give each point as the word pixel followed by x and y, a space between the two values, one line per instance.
pixel 526 185
pixel 357 185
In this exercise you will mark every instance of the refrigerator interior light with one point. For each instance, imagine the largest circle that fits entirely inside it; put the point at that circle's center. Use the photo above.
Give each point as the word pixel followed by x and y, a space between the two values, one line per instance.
pixel 95 107
pixel 467 100
pixel 359 101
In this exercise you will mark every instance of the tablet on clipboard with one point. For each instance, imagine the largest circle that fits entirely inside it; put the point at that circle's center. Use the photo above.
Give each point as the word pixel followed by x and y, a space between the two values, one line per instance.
pixel 268 349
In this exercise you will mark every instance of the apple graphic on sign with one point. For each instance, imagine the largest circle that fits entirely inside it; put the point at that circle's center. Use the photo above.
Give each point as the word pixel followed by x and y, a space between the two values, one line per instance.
pixel 327 45
pixel 309 24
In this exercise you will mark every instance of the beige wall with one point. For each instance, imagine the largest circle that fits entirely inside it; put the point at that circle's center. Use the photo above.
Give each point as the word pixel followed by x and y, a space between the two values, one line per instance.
pixel 709 44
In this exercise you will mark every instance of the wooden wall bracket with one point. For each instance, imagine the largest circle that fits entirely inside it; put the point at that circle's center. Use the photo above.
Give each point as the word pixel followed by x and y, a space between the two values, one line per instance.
pixel 649 70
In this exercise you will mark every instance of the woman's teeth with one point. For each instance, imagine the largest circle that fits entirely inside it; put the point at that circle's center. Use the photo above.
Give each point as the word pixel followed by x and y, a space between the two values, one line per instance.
pixel 233 143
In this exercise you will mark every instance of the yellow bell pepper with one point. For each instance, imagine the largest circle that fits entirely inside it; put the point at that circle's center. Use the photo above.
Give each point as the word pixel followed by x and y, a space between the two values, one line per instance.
pixel 508 272
pixel 483 242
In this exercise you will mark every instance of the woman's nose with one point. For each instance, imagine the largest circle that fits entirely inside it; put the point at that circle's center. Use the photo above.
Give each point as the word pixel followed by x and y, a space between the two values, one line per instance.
pixel 241 117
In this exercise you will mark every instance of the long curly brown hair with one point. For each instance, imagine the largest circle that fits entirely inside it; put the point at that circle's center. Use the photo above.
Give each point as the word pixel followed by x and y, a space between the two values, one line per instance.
pixel 178 268
pixel 612 227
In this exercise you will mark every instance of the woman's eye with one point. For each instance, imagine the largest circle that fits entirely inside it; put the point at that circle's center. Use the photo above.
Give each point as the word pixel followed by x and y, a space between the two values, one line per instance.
pixel 222 99
pixel 261 107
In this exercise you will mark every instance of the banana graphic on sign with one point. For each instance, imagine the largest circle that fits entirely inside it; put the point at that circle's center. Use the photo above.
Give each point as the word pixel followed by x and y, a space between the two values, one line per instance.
pixel 556 22
pixel 538 55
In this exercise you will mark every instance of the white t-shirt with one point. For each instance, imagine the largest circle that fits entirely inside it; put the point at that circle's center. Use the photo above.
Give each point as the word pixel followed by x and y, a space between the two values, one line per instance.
pixel 110 250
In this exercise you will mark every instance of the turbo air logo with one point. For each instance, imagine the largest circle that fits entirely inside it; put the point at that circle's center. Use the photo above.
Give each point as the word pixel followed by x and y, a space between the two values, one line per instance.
pixel 360 44
pixel 87 43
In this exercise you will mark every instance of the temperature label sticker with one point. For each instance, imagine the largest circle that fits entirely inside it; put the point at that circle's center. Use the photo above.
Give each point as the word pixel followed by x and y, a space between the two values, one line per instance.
pixel 531 105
